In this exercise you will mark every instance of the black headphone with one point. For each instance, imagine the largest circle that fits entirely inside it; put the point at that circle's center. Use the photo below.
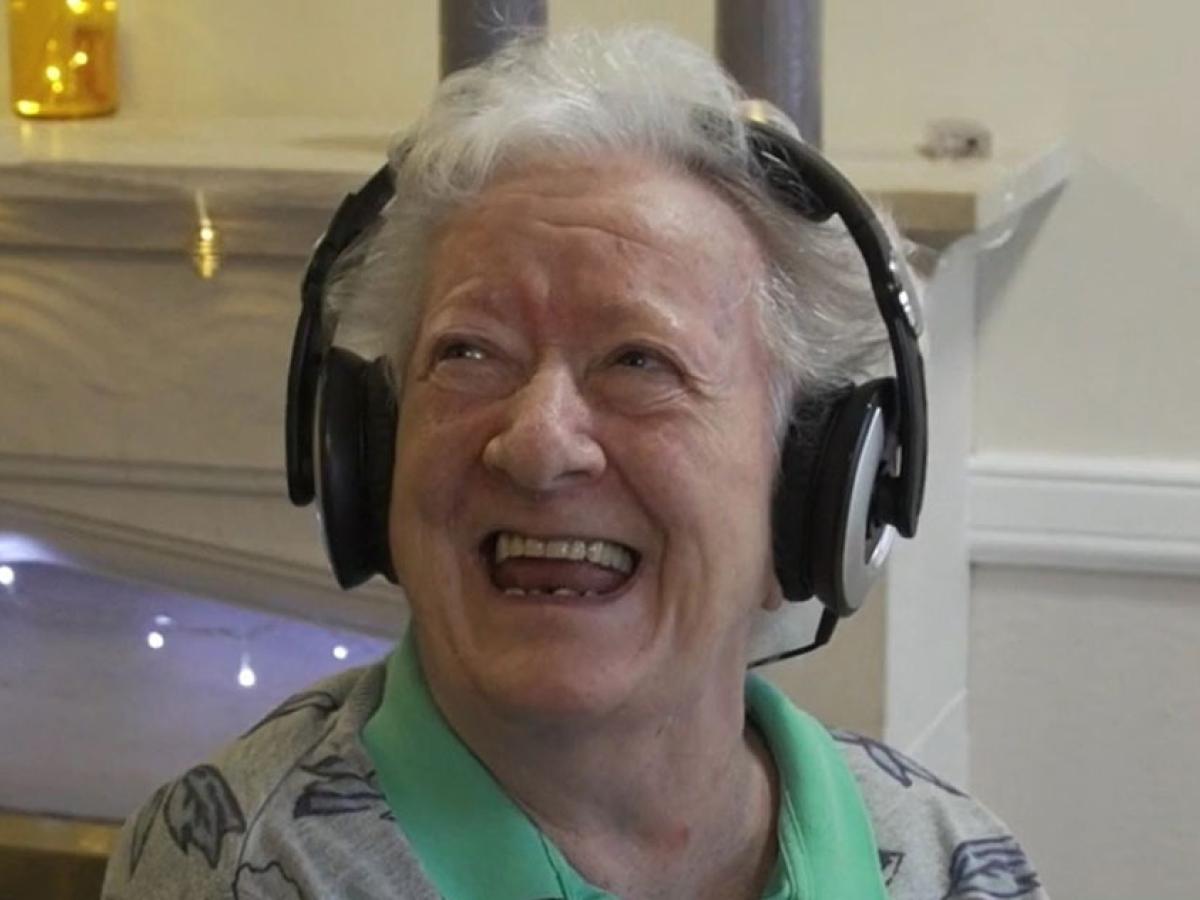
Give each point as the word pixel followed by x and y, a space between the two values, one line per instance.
pixel 852 468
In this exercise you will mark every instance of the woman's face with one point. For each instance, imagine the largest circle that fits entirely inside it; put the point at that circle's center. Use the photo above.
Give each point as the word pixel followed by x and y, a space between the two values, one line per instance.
pixel 580 511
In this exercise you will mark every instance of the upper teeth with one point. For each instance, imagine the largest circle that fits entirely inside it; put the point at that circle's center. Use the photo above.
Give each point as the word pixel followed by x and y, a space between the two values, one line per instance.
pixel 602 553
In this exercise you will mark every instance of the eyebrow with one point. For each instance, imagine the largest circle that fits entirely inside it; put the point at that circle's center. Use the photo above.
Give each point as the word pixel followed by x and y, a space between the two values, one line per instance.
pixel 642 310
pixel 476 294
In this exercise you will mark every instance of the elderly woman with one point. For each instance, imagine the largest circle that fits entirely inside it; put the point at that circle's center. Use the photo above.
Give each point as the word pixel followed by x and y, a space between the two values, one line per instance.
pixel 597 321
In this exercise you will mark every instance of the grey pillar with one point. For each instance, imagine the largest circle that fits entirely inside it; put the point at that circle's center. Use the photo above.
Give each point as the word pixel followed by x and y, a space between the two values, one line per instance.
pixel 773 49
pixel 473 29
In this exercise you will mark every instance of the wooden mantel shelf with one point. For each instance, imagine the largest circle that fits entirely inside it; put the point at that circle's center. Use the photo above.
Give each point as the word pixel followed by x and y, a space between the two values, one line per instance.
pixel 145 177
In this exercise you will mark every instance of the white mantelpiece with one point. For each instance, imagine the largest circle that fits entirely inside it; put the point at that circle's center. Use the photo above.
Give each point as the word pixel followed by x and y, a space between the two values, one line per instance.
pixel 272 182
pixel 143 405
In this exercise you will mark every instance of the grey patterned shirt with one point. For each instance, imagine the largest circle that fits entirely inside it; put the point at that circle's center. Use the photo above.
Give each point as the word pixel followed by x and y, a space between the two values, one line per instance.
pixel 292 811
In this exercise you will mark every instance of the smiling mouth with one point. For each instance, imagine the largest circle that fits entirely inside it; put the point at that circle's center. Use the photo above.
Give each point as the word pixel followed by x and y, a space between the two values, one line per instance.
pixel 560 566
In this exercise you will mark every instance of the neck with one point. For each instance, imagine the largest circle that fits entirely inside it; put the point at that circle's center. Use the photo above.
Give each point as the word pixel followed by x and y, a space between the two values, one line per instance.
pixel 674 805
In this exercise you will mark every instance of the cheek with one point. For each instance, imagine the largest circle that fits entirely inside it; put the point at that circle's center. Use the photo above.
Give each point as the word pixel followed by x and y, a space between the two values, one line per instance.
pixel 712 496
pixel 729 455
pixel 708 490
pixel 429 485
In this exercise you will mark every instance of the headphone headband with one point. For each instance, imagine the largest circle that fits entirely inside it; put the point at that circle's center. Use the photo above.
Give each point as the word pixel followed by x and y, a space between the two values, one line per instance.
pixel 798 173
pixel 314 335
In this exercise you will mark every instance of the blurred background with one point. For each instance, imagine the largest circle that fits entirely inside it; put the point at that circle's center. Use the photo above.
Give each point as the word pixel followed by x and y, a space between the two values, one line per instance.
pixel 1037 643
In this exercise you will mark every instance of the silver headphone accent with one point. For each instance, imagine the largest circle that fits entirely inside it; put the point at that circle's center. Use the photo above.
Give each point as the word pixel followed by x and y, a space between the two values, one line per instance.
pixel 909 296
pixel 862 561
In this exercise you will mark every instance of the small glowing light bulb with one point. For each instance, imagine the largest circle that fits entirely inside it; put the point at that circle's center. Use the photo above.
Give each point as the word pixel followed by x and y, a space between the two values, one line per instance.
pixel 7 576
pixel 155 640
pixel 206 246
pixel 246 676
pixel 340 652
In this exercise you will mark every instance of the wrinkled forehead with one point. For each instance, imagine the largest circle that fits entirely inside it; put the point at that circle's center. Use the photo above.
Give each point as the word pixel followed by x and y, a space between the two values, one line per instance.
pixel 617 226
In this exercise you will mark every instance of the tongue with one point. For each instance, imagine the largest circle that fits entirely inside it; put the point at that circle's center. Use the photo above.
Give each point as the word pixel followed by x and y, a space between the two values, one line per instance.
pixel 548 574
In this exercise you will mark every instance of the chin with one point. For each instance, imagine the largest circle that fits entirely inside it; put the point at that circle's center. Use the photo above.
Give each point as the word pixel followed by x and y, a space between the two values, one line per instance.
pixel 539 659
pixel 556 684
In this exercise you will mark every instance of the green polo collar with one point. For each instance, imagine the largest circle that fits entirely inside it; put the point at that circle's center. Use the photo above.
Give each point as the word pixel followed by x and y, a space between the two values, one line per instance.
pixel 474 843
pixel 827 845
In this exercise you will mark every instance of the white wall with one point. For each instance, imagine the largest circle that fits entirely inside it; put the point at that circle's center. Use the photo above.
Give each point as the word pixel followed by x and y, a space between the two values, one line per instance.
pixel 1088 347
pixel 1084 689
pixel 1085 712
pixel 1084 698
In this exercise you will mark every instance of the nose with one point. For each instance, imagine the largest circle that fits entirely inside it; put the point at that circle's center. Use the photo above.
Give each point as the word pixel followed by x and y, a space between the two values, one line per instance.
pixel 546 441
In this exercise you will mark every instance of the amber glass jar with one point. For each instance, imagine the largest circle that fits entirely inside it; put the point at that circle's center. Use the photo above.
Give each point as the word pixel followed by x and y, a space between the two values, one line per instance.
pixel 63 55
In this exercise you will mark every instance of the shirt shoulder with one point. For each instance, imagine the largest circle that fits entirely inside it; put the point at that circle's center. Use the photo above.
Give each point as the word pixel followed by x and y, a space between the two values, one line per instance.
pixel 934 840
pixel 275 813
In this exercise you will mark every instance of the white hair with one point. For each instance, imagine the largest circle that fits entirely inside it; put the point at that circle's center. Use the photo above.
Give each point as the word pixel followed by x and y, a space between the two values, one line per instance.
pixel 594 95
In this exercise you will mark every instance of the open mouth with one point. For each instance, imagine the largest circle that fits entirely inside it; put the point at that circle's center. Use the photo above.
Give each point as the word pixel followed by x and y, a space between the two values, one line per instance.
pixel 560 566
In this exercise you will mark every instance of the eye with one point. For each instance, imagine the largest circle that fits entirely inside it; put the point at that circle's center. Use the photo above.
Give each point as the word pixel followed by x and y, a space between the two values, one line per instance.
pixel 467 365
pixel 637 378
pixel 642 358
pixel 460 350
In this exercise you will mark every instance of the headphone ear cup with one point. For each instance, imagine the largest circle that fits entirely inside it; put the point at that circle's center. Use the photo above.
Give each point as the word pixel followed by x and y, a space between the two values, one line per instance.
pixel 355 444
pixel 847 547
pixel 791 512
pixel 380 457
